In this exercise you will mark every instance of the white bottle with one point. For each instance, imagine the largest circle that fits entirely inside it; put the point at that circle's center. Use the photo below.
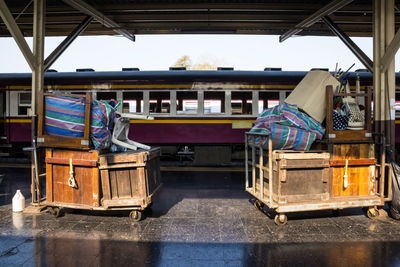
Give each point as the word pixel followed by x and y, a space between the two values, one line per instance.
pixel 18 202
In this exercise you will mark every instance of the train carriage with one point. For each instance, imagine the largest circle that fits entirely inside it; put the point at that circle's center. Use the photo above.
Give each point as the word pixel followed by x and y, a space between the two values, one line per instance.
pixel 203 114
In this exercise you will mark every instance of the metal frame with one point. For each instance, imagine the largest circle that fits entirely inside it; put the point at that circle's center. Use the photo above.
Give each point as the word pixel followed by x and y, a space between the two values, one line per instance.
pixel 315 17
pixel 100 17
pixel 349 43
pixel 66 42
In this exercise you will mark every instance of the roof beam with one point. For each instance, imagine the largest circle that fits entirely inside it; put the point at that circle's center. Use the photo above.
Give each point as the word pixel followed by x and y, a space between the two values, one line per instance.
pixel 365 60
pixel 100 17
pixel 315 17
pixel 66 42
pixel 16 33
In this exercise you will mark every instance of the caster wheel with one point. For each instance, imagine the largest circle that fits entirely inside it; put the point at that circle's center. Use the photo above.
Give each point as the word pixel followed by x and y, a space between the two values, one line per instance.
pixel 55 211
pixel 372 213
pixel 258 204
pixel 135 215
pixel 280 219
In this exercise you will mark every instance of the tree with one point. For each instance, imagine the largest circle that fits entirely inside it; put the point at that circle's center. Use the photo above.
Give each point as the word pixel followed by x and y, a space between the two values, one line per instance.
pixel 183 61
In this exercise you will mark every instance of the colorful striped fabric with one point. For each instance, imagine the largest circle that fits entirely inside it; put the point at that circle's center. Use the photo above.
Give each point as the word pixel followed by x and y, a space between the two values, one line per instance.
pixel 289 127
pixel 103 115
pixel 65 116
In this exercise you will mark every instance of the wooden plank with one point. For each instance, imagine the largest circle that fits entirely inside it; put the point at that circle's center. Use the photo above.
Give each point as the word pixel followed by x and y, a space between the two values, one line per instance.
pixel 88 117
pixel 75 162
pixel 123 183
pixel 304 164
pixel 95 184
pixel 303 156
pixel 114 185
pixel 134 202
pixel 134 182
pixel 105 184
pixel 49 177
pixel 352 162
pixel 123 166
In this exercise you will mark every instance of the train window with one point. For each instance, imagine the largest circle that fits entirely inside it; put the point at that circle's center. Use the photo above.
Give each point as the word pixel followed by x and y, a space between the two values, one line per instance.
pixel 267 100
pixel 106 95
pixel 160 102
pixel 397 106
pixel 186 102
pixel 214 102
pixel 132 102
pixel 241 103
pixel 24 103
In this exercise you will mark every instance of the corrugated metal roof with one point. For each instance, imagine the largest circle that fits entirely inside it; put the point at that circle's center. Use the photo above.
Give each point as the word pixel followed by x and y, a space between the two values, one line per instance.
pixel 197 16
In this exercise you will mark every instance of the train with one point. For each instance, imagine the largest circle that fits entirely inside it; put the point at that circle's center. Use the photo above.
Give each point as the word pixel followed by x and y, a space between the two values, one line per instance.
pixel 199 116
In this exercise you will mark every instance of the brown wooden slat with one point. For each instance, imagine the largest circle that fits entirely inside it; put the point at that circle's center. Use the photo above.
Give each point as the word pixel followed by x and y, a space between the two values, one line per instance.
pixel 352 162
pixel 75 162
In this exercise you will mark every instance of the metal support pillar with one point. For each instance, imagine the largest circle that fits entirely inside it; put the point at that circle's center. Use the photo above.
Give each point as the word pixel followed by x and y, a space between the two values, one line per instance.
pixel 16 33
pixel 365 60
pixel 384 81
pixel 37 84
pixel 66 42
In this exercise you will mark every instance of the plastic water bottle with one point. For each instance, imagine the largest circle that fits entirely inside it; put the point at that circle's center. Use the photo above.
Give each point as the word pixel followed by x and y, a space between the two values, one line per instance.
pixel 18 202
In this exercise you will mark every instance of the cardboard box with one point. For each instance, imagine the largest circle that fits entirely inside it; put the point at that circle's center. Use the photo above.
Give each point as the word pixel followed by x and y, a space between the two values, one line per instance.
pixel 310 94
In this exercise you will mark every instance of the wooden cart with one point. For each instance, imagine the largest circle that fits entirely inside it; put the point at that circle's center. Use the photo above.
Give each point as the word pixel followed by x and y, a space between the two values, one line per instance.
pixel 90 180
pixel 293 181
pixel 343 174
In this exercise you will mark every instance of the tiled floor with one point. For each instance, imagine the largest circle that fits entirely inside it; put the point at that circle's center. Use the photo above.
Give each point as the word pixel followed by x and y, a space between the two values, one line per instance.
pixel 199 219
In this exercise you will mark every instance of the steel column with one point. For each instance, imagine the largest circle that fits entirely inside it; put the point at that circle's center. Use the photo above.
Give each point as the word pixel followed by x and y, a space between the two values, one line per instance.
pixel 66 42
pixel 384 81
pixel 37 85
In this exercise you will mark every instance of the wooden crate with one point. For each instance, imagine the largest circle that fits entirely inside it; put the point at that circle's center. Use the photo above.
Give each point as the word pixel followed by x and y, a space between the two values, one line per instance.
pixel 130 179
pixel 86 174
pixel 361 170
pixel 297 177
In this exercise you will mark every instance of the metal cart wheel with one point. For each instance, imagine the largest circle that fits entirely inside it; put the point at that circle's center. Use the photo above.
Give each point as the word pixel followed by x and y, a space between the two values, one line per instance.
pixel 55 211
pixel 280 219
pixel 258 204
pixel 372 213
pixel 135 215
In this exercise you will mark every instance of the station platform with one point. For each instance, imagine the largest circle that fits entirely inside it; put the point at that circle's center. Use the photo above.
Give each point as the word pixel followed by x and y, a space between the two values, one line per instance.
pixel 200 218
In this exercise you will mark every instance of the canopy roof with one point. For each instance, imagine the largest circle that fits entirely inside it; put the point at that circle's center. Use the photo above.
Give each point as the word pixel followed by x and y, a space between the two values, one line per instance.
pixel 272 17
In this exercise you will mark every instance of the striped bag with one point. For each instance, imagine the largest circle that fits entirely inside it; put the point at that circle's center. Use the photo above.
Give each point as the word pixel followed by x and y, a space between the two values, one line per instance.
pixel 65 116
pixel 102 123
pixel 289 127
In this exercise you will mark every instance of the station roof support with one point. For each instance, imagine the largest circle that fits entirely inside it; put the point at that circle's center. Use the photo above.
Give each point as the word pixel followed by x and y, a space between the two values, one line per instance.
pixel 16 33
pixel 349 43
pixel 100 17
pixel 66 42
pixel 315 17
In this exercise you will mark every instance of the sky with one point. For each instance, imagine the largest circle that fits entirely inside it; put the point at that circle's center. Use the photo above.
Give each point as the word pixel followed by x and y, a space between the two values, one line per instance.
pixel 159 52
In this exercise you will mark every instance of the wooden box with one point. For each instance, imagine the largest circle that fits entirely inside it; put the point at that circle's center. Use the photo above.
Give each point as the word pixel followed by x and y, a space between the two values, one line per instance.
pixel 130 179
pixel 297 177
pixel 361 170
pixel 86 193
